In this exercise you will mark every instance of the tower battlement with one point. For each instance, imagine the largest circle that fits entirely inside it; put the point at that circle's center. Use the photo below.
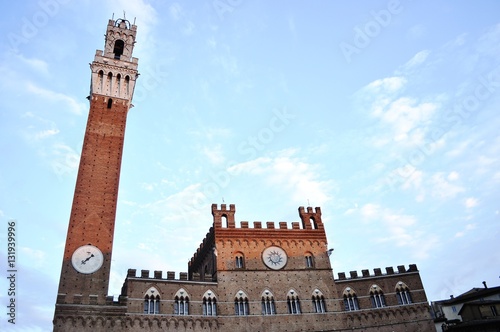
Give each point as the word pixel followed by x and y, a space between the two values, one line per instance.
pixel 311 218
pixel 223 213
pixel 224 218
pixel 377 272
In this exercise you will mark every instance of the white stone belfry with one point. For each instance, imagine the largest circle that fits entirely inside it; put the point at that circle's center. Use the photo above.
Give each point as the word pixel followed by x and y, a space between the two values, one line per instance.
pixel 114 71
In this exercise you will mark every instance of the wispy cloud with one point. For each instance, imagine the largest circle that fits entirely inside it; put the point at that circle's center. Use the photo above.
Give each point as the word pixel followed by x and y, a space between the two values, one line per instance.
pixel 398 228
pixel 62 159
pixel 36 64
pixel 471 202
pixel 214 153
pixel 73 106
pixel 175 11
pixel 414 63
pixel 292 174
pixel 440 187
pixel 468 228
pixel 32 132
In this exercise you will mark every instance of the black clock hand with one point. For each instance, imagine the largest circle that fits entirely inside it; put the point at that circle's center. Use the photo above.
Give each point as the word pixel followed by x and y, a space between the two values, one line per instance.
pixel 85 260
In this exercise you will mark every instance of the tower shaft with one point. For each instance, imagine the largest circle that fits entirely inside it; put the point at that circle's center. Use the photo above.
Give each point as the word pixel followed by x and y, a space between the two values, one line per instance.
pixel 85 275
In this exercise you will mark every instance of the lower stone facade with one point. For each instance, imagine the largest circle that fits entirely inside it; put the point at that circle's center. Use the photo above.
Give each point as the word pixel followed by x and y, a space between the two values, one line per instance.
pixel 256 279
pixel 128 313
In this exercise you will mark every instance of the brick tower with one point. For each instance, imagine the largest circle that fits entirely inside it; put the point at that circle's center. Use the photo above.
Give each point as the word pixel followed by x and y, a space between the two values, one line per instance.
pixel 87 254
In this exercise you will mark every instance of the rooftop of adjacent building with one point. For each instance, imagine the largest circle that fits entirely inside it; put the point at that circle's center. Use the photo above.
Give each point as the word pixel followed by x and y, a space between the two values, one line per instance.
pixel 473 294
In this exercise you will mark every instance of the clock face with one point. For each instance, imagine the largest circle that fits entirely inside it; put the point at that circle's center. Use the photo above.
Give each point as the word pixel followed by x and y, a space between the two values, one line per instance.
pixel 87 259
pixel 274 257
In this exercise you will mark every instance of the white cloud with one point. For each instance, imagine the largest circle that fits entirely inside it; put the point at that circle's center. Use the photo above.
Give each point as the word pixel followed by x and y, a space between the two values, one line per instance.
pixel 33 255
pixel 398 229
pixel 46 133
pixel 62 158
pixel 214 153
pixel 36 64
pixel 414 180
pixel 386 85
pixel 453 176
pixel 468 227
pixel 471 202
pixel 407 119
pixel 73 105
pixel 496 176
pixel 438 185
pixel 291 174
pixel 459 149
pixel 441 188
pixel 148 186
pixel 418 59
pixel 490 41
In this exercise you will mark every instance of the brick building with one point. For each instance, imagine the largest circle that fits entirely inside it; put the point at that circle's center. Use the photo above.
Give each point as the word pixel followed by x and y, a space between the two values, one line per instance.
pixel 241 278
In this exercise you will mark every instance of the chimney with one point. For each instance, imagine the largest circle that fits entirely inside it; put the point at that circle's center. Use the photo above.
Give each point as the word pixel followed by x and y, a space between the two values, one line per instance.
pixel 484 283
pixel 451 296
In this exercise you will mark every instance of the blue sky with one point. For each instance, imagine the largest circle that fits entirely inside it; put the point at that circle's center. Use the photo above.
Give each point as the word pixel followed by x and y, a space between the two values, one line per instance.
pixel 383 113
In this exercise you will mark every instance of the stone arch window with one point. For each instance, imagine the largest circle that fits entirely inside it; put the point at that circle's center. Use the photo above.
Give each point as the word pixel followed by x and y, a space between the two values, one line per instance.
pixel 127 85
pixel 350 300
pixel 110 102
pixel 268 306
pixel 223 220
pixel 100 80
pixel 118 48
pixel 239 260
pixel 309 260
pixel 293 302
pixel 209 304
pixel 403 293
pixel 119 83
pixel 377 297
pixel 314 224
pixel 110 81
pixel 181 303
pixel 152 301
pixel 318 301
pixel 241 304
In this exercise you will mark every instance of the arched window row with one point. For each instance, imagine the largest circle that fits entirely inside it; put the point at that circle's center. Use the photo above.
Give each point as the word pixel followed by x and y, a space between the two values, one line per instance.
pixel 377 297
pixel 109 81
pixel 182 302
pixel 209 303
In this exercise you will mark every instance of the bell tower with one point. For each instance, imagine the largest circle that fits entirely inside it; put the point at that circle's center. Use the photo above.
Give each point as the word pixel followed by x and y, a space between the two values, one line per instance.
pixel 87 255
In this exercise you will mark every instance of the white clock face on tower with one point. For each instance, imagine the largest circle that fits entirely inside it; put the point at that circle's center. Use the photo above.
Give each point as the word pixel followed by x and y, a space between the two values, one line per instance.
pixel 274 257
pixel 87 259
